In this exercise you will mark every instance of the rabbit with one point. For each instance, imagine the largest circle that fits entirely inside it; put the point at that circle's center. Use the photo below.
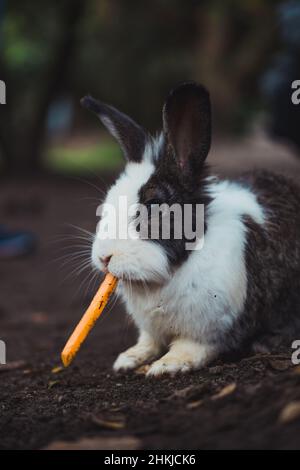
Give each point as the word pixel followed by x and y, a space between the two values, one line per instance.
pixel 242 287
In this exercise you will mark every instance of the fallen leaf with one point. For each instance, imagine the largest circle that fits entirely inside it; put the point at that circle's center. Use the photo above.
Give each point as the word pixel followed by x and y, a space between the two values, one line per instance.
pixel 51 383
pixel 12 366
pixel 190 392
pixel 183 392
pixel 290 412
pixel 117 409
pixel 227 390
pixel 56 369
pixel 296 370
pixel 108 424
pixel 194 404
pixel 97 443
pixel 280 365
pixel 262 356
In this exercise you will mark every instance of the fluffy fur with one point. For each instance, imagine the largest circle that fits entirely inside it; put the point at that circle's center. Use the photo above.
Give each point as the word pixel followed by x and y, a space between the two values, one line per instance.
pixel 241 287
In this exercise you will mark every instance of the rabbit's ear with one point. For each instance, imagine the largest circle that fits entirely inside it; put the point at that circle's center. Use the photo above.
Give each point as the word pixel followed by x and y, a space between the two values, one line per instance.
pixel 187 126
pixel 130 136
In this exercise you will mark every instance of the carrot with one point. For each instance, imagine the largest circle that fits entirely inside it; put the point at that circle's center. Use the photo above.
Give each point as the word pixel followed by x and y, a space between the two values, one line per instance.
pixel 89 319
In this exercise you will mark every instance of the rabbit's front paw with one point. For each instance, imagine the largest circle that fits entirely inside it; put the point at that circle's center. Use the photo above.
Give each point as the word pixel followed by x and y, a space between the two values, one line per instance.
pixel 184 356
pixel 169 365
pixel 126 361
pixel 146 349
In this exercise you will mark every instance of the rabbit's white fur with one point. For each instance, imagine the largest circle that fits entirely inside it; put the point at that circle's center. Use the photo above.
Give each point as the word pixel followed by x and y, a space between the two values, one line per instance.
pixel 182 310
pixel 135 259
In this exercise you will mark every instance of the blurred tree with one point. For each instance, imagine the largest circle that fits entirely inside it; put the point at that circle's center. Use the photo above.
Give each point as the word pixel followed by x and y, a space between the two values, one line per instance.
pixel 284 115
pixel 130 54
pixel 38 43
pixel 133 54
pixel 234 41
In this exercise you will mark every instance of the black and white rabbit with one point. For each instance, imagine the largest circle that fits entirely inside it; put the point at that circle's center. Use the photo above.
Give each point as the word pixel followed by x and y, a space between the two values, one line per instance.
pixel 243 285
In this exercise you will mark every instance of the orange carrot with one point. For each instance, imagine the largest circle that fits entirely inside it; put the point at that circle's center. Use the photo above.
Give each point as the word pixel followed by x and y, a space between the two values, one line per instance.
pixel 89 319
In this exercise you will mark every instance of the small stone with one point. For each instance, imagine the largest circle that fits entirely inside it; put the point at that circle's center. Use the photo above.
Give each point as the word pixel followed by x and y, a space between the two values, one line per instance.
pixel 215 370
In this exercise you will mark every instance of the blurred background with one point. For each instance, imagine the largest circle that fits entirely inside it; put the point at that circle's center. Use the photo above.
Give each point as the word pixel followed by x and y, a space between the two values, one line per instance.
pixel 130 54
pixel 56 161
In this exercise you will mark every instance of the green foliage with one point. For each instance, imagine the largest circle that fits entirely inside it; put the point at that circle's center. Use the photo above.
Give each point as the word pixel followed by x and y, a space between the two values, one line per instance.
pixel 84 159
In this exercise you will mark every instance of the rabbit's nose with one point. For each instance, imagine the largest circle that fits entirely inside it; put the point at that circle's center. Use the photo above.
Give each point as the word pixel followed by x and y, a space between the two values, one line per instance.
pixel 105 260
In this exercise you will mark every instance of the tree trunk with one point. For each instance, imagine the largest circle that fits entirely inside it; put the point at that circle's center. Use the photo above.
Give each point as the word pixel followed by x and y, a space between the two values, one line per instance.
pixel 26 155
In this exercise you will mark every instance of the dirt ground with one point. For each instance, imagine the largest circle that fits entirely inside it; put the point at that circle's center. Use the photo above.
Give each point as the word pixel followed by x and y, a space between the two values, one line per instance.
pixel 241 402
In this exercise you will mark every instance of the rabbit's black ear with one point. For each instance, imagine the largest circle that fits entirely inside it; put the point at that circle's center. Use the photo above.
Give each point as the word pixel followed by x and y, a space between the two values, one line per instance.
pixel 131 137
pixel 187 126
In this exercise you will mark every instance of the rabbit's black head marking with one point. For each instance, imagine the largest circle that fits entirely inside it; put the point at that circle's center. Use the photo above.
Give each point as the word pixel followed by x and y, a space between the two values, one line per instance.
pixel 178 154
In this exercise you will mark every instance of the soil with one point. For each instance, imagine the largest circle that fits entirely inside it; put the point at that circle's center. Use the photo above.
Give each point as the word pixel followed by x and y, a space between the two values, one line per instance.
pixel 240 402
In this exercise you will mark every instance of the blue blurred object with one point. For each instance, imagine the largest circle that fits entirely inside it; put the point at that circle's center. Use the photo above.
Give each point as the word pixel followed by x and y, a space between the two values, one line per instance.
pixel 289 17
pixel 276 84
pixel 13 243
pixel 16 243
pixel 60 115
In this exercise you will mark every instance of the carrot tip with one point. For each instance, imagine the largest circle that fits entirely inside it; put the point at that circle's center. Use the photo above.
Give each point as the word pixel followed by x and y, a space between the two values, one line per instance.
pixel 88 320
pixel 65 360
